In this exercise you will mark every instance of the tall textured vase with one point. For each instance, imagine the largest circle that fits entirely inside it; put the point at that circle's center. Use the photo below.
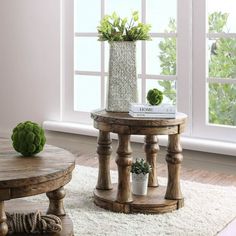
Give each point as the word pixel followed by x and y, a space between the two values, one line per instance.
pixel 122 82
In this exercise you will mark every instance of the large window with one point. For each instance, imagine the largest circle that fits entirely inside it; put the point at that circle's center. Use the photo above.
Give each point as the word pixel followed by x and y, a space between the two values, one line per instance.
pixel 191 58
pixel 215 69
pixel 156 59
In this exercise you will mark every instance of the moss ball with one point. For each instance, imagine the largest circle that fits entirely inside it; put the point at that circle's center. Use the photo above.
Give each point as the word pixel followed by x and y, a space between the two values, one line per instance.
pixel 28 138
pixel 154 96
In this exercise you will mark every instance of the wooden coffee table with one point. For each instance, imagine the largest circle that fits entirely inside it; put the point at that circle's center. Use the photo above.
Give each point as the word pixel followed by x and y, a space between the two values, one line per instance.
pixel 118 197
pixel 47 172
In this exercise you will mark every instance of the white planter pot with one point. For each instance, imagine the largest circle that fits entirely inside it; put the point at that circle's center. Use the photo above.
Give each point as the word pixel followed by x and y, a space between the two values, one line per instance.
pixel 122 81
pixel 139 184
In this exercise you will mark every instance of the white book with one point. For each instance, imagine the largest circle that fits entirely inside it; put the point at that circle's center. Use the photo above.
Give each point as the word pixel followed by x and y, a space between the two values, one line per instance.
pixel 145 108
pixel 153 115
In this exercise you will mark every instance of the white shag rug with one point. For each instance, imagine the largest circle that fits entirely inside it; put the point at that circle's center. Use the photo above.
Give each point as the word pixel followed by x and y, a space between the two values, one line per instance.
pixel 208 209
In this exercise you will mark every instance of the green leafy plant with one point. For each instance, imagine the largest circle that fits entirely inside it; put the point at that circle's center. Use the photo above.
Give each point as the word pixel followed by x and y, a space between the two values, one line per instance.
pixel 167 58
pixel 140 167
pixel 222 64
pixel 154 96
pixel 114 28
pixel 28 138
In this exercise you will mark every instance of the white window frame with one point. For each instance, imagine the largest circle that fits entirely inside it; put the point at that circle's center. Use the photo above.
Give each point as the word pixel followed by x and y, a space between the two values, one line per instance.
pixel 201 128
pixel 191 69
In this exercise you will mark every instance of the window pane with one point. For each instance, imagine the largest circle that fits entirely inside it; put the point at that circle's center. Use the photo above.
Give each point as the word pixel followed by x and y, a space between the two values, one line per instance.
pixel 86 17
pixel 87 93
pixel 161 56
pixel 221 15
pixel 222 104
pixel 87 54
pixel 222 58
pixel 123 8
pixel 167 87
pixel 160 13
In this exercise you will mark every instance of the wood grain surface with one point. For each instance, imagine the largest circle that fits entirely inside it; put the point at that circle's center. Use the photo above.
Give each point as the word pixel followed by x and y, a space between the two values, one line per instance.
pixel 154 202
pixel 125 126
pixel 46 172
pixel 16 171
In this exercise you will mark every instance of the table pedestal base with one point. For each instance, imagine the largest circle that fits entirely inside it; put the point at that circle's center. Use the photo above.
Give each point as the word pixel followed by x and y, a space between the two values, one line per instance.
pixel 27 206
pixel 154 202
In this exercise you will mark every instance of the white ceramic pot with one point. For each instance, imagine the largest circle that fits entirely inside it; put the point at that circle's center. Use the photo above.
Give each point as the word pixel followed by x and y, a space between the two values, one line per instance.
pixel 139 184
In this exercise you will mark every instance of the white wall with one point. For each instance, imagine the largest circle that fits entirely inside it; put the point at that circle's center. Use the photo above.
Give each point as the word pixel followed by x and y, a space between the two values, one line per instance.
pixel 29 62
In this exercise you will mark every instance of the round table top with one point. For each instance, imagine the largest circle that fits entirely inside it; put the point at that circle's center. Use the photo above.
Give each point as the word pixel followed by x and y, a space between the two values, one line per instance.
pixel 16 171
pixel 123 118
pixel 123 123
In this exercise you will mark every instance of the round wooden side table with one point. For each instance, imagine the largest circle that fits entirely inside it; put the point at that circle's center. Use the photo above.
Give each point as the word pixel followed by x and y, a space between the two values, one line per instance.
pixel 118 197
pixel 47 172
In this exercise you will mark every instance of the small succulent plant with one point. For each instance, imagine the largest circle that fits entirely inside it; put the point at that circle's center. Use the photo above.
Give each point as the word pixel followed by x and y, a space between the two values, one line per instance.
pixel 154 96
pixel 140 166
pixel 28 138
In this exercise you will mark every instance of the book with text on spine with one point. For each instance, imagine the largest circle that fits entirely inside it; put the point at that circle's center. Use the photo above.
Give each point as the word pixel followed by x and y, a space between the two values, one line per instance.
pixel 153 115
pixel 145 108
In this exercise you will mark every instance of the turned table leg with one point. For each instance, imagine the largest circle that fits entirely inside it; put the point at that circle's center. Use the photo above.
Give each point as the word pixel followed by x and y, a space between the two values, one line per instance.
pixel 104 151
pixel 56 206
pixel 151 148
pixel 174 158
pixel 124 162
pixel 3 219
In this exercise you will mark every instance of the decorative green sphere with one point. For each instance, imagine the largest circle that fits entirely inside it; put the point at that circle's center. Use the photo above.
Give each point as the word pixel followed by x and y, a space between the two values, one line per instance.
pixel 28 138
pixel 154 96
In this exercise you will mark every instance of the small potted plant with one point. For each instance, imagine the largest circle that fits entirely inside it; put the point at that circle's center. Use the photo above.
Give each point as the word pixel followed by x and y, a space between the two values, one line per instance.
pixel 122 34
pixel 140 170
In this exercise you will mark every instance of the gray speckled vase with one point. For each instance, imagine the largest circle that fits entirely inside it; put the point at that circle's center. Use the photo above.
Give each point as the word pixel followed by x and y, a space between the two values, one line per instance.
pixel 122 82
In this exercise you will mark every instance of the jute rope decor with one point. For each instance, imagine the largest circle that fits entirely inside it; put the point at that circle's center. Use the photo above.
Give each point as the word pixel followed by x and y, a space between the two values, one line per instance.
pixel 33 223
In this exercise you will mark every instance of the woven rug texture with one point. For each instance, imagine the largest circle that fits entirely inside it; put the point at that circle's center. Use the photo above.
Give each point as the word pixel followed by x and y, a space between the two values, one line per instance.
pixel 208 209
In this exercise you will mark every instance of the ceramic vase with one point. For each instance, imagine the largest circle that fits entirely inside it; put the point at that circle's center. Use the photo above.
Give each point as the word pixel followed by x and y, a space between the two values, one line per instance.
pixel 122 81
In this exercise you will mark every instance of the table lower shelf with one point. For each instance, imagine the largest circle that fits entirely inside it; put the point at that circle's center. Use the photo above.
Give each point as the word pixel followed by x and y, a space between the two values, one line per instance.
pixel 153 203
pixel 20 205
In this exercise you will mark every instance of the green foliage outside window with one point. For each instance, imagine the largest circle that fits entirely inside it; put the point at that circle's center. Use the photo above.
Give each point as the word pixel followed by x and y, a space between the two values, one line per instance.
pixel 168 62
pixel 222 64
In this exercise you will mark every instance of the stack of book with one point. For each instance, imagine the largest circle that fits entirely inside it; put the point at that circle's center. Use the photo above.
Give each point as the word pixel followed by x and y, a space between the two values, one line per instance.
pixel 145 110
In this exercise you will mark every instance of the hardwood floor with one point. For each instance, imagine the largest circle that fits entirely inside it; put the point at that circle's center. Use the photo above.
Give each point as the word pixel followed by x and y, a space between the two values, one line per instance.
pixel 196 166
